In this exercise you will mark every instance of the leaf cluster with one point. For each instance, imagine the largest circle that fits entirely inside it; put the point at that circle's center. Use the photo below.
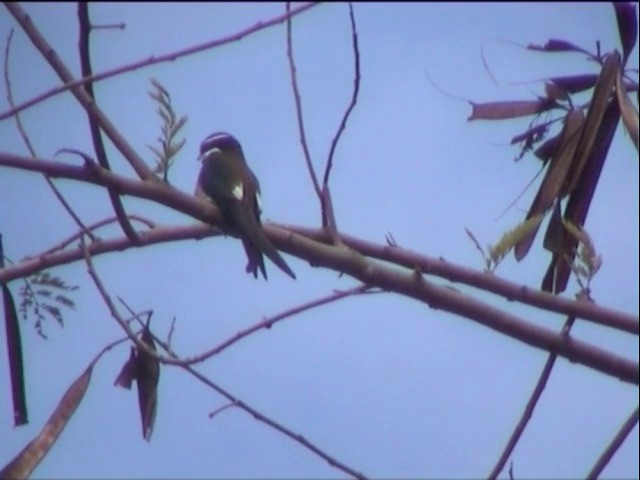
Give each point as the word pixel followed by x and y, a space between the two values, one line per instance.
pixel 169 145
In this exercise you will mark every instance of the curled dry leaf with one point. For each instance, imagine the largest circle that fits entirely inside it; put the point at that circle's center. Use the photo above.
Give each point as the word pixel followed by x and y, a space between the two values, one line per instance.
pixel 593 120
pixel 575 83
pixel 28 459
pixel 555 178
pixel 509 109
pixel 128 372
pixel 147 376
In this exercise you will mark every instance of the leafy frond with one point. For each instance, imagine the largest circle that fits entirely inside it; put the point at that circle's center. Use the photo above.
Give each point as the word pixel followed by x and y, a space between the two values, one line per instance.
pixel 42 297
pixel 169 145
pixel 511 238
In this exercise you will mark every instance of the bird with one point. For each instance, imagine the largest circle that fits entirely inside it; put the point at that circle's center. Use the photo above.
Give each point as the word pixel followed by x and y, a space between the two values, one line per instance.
pixel 227 181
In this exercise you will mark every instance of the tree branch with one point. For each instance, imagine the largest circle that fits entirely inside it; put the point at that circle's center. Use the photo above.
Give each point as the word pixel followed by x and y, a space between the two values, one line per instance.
pixel 350 261
pixel 98 144
pixel 282 237
pixel 354 96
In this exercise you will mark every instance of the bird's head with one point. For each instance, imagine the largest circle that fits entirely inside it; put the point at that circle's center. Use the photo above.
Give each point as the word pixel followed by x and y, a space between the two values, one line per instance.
pixel 221 142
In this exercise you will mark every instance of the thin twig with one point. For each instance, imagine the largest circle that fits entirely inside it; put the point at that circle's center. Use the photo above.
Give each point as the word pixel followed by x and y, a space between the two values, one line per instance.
pixel 169 57
pixel 354 96
pixel 612 448
pixel 273 424
pixel 110 305
pixel 109 26
pixel 95 226
pixel 27 141
pixel 328 214
pixel 298 103
pixel 529 408
pixel 267 323
pixel 220 409
pixel 98 144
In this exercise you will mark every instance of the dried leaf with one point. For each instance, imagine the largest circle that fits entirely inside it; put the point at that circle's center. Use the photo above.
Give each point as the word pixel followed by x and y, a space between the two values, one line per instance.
pixel 554 238
pixel 550 280
pixel 531 134
pixel 529 138
pixel 575 83
pixel 28 459
pixel 592 122
pixel 147 376
pixel 545 151
pixel 555 178
pixel 554 45
pixel 627 27
pixel 555 92
pixel 128 372
pixel 509 109
pixel 559 270
pixel 628 113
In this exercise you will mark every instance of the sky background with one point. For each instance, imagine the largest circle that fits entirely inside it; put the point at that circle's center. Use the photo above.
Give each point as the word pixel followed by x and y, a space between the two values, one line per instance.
pixel 380 382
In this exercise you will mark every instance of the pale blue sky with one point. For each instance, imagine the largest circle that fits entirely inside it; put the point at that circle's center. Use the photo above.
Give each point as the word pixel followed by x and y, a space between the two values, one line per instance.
pixel 383 383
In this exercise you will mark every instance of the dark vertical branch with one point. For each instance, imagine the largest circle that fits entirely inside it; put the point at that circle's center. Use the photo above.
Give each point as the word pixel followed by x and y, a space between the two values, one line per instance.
pixel 354 96
pixel 98 144
pixel 328 216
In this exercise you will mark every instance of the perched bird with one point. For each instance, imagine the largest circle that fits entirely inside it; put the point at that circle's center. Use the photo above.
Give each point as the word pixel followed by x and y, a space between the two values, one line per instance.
pixel 226 179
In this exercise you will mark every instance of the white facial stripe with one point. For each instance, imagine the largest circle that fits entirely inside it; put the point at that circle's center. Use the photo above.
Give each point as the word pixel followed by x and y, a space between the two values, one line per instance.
pixel 211 151
pixel 238 191
pixel 259 202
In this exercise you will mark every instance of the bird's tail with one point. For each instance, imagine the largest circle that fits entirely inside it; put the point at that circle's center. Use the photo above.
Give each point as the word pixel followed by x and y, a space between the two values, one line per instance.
pixel 255 260
pixel 256 243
